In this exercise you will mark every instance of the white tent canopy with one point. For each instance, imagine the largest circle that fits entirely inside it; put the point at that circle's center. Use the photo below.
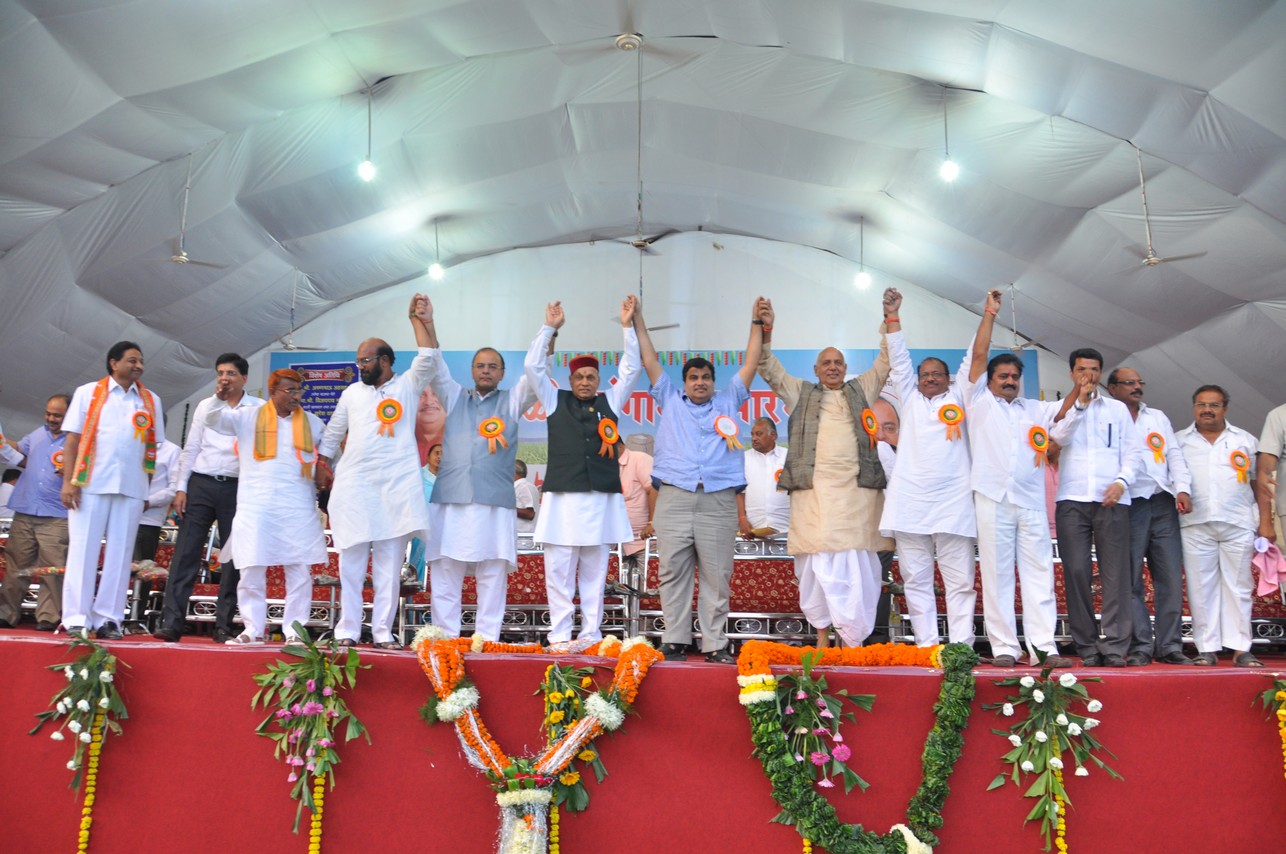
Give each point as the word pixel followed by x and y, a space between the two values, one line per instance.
pixel 512 123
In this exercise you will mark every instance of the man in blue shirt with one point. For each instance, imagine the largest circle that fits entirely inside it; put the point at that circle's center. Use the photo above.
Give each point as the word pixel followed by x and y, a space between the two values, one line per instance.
pixel 38 532
pixel 700 470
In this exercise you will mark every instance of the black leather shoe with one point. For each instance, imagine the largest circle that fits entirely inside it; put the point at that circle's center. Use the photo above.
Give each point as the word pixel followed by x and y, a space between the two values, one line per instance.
pixel 1113 660
pixel 1004 661
pixel 674 651
pixel 5 624
pixel 1059 661
pixel 45 626
pixel 721 656
pixel 223 635
pixel 167 635
pixel 108 631
pixel 1175 657
pixel 1138 659
pixel 1092 660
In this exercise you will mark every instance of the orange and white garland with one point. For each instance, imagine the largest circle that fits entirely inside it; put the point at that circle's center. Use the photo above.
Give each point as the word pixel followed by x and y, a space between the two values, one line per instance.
pixel 524 785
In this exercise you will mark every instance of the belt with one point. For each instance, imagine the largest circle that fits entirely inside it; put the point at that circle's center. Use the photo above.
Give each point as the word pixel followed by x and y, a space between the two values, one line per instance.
pixel 221 478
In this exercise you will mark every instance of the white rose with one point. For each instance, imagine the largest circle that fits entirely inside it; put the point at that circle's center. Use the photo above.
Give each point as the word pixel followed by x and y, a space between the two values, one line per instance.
pixel 1090 723
pixel 1082 771
pixel 1008 709
pixel 56 736
pixel 1027 766
pixel 1041 737
pixel 84 673
pixel 74 726
pixel 1073 729
pixel 106 676
pixel 104 703
pixel 1094 706
pixel 83 705
pixel 1027 682
pixel 1055 762
pixel 1038 695
pixel 86 737
pixel 1015 741
pixel 1061 720
pixel 71 765
pixel 1067 680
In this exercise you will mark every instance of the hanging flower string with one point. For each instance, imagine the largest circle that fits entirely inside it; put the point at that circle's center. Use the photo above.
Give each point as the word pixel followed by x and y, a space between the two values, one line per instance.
pixel 792 781
pixel 310 712
pixel 1274 700
pixel 88 706
pixel 1038 739
pixel 525 785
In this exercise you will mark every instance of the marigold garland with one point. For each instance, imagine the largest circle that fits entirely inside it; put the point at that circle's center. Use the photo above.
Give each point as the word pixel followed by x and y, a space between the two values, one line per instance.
pixel 1274 700
pixel 812 815
pixel 524 785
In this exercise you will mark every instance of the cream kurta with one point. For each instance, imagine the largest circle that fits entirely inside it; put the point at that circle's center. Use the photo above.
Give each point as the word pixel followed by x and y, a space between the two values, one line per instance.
pixel 836 515
pixel 277 521
pixel 377 493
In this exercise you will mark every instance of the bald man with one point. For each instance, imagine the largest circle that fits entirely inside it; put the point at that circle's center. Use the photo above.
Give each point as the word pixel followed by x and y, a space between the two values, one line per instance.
pixel 377 503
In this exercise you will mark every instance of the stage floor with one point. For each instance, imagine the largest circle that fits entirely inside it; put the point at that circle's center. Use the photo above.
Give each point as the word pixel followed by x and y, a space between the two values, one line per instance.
pixel 1201 761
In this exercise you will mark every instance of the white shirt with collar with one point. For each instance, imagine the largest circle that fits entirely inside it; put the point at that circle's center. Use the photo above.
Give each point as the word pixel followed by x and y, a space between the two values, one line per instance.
pixel 118 453
pixel 766 507
pixel 208 451
pixel 1100 445
pixel 1169 473
pixel 1005 466
pixel 1218 495
pixel 164 484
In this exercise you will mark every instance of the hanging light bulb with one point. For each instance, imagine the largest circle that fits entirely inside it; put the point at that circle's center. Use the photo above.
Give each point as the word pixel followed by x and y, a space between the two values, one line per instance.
pixel 436 271
pixel 862 280
pixel 949 169
pixel 366 169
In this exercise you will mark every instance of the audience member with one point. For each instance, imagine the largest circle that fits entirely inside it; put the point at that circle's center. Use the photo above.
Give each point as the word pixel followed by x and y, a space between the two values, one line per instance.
pixel 526 500
pixel 763 510
pixel 160 494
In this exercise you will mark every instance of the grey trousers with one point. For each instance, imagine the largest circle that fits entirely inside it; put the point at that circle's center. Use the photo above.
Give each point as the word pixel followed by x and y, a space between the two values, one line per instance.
pixel 695 532
pixel 1079 523
pixel 34 542
pixel 1154 534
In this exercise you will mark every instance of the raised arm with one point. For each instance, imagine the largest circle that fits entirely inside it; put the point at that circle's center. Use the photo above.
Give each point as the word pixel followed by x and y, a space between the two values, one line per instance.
pixel 755 346
pixel 982 340
pixel 627 372
pixel 536 364
pixel 421 314
pixel 783 384
pixel 647 352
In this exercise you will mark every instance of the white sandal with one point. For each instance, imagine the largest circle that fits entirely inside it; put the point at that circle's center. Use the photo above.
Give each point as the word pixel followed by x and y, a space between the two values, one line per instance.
pixel 244 639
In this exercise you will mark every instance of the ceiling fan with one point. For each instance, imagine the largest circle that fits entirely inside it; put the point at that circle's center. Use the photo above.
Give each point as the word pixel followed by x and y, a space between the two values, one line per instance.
pixel 1150 258
pixel 180 255
pixel 1017 346
pixel 288 340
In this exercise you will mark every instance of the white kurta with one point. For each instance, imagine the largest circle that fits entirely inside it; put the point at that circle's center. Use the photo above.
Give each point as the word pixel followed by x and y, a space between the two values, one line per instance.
pixel 585 518
pixel 377 493
pixel 277 521
pixel 931 493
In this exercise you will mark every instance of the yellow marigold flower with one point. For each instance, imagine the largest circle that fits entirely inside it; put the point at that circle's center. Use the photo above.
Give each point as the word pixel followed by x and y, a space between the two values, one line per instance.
pixel 587 682
pixel 556 717
pixel 571 778
pixel 587 756
pixel 555 698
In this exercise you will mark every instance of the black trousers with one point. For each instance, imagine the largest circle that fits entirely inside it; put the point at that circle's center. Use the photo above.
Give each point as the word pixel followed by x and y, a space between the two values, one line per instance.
pixel 146 541
pixel 208 501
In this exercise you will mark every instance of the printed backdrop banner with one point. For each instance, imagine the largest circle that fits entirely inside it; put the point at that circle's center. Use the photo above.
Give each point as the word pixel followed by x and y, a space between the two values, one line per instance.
pixel 327 373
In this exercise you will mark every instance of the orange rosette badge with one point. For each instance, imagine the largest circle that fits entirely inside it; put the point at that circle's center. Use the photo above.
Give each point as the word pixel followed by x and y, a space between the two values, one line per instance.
pixel 1157 443
pixel 56 458
pixel 1241 462
pixel 1038 439
pixel 389 412
pixel 776 476
pixel 870 425
pixel 608 432
pixel 142 423
pixel 727 428
pixel 493 430
pixel 951 415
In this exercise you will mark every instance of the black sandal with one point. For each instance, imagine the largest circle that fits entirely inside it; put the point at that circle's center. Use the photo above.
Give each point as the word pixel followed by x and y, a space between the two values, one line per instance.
pixel 1206 659
pixel 1246 659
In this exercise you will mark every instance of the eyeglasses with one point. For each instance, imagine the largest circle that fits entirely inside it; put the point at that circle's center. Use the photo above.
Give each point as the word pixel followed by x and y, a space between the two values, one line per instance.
pixel 1130 383
pixel 361 363
pixel 937 375
pixel 1207 406
pixel 292 391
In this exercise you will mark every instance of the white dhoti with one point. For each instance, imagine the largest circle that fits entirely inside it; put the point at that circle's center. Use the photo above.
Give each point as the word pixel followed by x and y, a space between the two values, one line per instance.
pixel 840 589
pixel 99 515
pixel 470 539
pixel 955 561
pixel 577 530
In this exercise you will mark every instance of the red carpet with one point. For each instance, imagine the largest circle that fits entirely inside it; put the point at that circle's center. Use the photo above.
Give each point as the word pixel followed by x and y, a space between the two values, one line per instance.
pixel 1202 764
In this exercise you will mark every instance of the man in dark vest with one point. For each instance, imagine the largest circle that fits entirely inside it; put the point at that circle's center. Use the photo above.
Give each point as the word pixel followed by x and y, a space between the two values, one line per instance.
pixel 582 512
pixel 836 482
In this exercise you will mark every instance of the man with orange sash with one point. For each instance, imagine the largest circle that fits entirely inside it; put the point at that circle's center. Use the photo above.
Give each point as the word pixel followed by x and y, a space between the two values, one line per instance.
pixel 112 427
pixel 582 513
pixel 377 503
pixel 277 521
pixel 471 514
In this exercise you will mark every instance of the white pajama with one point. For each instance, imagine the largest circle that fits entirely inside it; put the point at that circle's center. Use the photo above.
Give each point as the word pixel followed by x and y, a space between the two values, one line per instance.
pixel 1216 562
pixel 955 561
pixel 561 585
pixel 446 580
pixel 252 598
pixel 1009 535
pixel 116 517
pixel 386 558
pixel 849 582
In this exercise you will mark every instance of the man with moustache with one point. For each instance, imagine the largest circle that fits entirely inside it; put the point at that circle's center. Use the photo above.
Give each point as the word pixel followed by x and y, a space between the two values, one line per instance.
pixel 112 427
pixel 763 507
pixel 1158 496
pixel 471 514
pixel 1101 459
pixel 835 480
pixel 205 495
pixel 582 511
pixel 1219 533
pixel 1009 440
pixel 277 522
pixel 928 507
pixel 700 471
pixel 38 531
pixel 377 502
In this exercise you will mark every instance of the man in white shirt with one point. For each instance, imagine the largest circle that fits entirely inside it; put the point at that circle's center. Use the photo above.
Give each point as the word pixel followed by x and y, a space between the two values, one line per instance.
pixel 7 484
pixel 1219 533
pixel 206 494
pixel 1157 497
pixel 526 500
pixel 763 507
pixel 112 427
pixel 1272 457
pixel 1008 436
pixel 1101 458
pixel 928 506
pixel 157 506
pixel 377 502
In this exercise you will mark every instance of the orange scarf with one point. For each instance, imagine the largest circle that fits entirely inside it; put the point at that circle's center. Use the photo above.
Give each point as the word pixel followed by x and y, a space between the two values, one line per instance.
pixel 89 438
pixel 266 436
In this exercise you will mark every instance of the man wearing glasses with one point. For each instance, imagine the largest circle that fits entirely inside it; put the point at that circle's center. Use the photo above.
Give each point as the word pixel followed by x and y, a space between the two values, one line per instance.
pixel 1157 496
pixel 377 503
